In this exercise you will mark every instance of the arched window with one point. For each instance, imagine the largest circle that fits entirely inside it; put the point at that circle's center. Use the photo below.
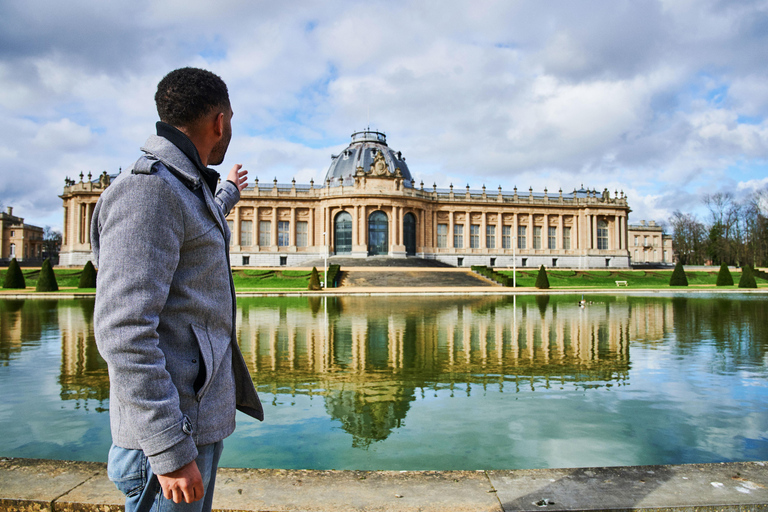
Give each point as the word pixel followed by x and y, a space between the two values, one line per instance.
pixel 409 234
pixel 378 233
pixel 342 233
pixel 602 234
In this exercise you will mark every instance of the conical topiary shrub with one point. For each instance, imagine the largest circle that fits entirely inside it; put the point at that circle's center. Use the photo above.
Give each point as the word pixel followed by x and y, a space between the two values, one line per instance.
pixel 87 276
pixel 724 277
pixel 678 276
pixel 314 280
pixel 542 281
pixel 46 282
pixel 13 276
pixel 747 278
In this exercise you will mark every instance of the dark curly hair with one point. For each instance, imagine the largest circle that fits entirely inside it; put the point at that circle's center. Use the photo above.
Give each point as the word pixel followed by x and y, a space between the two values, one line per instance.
pixel 185 95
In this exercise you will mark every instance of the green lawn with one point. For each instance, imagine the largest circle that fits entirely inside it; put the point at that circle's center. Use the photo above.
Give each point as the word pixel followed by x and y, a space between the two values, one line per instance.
pixel 566 279
pixel 260 279
pixel 245 279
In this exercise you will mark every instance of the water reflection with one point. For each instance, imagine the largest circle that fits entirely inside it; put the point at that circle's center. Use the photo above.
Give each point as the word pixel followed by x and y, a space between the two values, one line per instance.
pixel 372 361
pixel 369 357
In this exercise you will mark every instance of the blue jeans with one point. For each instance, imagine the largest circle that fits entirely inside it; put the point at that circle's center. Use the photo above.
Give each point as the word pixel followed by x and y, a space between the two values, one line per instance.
pixel 130 471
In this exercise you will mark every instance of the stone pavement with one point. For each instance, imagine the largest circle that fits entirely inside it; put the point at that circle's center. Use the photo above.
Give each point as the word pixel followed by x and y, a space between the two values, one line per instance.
pixel 46 485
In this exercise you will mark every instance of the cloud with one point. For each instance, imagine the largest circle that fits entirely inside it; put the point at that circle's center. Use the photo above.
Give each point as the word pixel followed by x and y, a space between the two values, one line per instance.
pixel 664 100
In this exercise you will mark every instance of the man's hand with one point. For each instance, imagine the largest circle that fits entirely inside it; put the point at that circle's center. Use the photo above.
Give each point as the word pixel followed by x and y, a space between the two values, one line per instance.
pixel 184 484
pixel 238 176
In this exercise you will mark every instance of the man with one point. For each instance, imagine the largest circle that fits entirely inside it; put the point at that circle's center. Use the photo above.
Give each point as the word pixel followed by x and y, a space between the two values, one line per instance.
pixel 165 302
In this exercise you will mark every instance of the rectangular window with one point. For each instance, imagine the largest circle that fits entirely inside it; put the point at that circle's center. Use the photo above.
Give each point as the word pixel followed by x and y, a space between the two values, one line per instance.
pixel 521 242
pixel 302 231
pixel 506 237
pixel 458 236
pixel 265 233
pixel 442 235
pixel 283 233
pixel 231 225
pixel 246 233
pixel 490 237
pixel 602 235
pixel 552 242
pixel 637 241
pixel 566 238
pixel 537 237
pixel 474 236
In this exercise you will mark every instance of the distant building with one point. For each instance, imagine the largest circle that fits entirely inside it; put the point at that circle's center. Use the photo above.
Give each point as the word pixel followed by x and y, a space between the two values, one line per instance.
pixel 21 241
pixel 369 205
pixel 649 244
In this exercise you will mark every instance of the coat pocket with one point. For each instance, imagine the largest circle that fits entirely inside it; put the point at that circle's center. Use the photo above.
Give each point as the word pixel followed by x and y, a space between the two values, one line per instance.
pixel 212 353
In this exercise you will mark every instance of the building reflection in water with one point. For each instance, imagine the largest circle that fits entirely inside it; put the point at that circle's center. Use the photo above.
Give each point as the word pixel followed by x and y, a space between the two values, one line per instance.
pixel 369 357
pixel 84 376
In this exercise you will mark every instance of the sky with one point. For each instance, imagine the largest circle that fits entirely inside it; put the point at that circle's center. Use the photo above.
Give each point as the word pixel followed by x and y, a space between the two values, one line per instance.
pixel 665 101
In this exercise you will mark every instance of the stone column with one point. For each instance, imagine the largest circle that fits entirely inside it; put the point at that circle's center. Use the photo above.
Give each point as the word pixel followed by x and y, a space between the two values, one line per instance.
pixel 514 230
pixel 499 232
pixel 273 242
pixel 594 231
pixel 256 227
pixel 561 233
pixel 355 225
pixel 483 232
pixel 292 228
pixel 529 238
pixel 236 226
pixel 311 228
pixel 545 232
pixel 449 242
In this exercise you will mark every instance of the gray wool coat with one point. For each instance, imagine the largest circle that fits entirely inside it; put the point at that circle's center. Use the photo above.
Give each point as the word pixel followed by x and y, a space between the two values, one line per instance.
pixel 165 309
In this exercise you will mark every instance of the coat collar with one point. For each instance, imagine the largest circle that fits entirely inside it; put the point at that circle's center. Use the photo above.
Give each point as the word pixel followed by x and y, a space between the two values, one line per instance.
pixel 174 149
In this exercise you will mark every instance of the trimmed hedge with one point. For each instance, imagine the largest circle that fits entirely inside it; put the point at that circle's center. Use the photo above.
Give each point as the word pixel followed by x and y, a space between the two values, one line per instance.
pixel 747 278
pixel 724 277
pixel 14 278
pixel 314 280
pixel 542 281
pixel 88 276
pixel 333 275
pixel 678 276
pixel 492 275
pixel 47 280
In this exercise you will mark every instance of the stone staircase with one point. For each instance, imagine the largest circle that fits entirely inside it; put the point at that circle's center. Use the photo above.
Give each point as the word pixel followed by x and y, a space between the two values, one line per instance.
pixel 411 278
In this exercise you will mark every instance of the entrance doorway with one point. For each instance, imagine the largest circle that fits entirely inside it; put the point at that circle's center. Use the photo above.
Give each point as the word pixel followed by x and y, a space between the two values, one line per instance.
pixel 342 233
pixel 409 234
pixel 378 234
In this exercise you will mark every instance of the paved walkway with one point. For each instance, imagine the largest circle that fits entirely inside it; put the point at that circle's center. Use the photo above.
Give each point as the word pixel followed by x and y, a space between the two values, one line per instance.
pixel 40 485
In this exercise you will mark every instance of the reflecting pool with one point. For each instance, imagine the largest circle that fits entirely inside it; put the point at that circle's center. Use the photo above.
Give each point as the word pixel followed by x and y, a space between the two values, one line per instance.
pixel 434 383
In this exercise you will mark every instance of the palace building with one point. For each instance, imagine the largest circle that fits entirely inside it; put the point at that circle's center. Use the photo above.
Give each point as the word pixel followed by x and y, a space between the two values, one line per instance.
pixel 19 240
pixel 370 205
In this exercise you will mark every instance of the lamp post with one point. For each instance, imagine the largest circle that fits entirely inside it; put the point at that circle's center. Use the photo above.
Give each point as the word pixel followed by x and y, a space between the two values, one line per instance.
pixel 325 263
pixel 514 262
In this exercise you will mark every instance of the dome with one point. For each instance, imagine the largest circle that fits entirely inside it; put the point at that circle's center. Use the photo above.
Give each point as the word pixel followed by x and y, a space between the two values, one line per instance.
pixel 362 152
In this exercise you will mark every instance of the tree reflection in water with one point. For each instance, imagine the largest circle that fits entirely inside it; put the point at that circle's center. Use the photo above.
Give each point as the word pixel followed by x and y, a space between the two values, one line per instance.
pixel 371 358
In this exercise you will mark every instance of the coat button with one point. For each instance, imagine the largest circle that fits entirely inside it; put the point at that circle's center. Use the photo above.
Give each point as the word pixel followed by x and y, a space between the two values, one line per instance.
pixel 186 427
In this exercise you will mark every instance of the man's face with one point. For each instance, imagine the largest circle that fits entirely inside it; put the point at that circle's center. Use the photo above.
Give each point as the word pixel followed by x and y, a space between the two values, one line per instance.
pixel 220 149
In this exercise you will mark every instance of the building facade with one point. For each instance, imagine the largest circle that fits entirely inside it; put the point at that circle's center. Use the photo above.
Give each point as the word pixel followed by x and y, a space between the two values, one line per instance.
pixel 649 244
pixel 19 240
pixel 370 205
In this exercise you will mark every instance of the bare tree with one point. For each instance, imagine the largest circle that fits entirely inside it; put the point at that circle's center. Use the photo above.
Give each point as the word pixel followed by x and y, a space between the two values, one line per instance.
pixel 51 243
pixel 688 238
